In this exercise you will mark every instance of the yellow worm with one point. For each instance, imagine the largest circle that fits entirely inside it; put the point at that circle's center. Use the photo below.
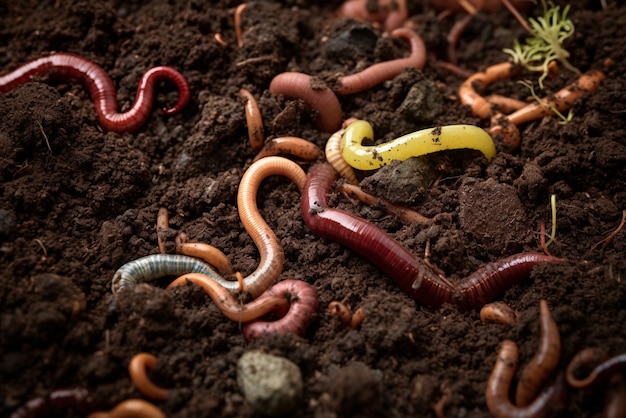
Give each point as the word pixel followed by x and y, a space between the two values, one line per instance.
pixel 418 143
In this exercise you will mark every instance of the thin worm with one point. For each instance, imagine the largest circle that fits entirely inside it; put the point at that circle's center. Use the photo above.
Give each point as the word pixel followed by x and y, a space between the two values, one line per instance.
pixel 101 88
pixel 303 307
pixel 316 95
pixel 208 253
pixel 218 38
pixel 335 159
pixel 357 318
pixel 499 313
pixel 272 256
pixel 57 403
pixel 131 408
pixel 422 142
pixel 253 120
pixel 162 226
pixel 538 369
pixel 497 393
pixel 392 14
pixel 413 275
pixel 226 302
pixel 238 32
pixel 137 370
pixel 155 266
pixel 600 373
pixel 401 212
pixel 340 311
pixel 290 145
pixel 383 71
pixel 480 106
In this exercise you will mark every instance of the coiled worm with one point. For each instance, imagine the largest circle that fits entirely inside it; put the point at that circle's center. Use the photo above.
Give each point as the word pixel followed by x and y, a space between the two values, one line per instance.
pixel 227 303
pixel 382 71
pixel 253 120
pixel 303 307
pixel 413 275
pixel 335 159
pixel 290 145
pixel 137 370
pixel 603 369
pixel 480 106
pixel 418 143
pixel 497 393
pixel 538 369
pixel 100 86
pixel 131 408
pixel 391 14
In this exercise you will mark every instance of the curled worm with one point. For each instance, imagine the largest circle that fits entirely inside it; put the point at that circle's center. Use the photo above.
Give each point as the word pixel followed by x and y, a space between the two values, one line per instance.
pixel 272 256
pixel 383 71
pixel 101 88
pixel 334 157
pixel 497 393
pixel 480 106
pixel 208 253
pixel 227 303
pixel 137 370
pixel 254 120
pixel 131 408
pixel 303 307
pixel 599 374
pixel 545 360
pixel 291 145
pixel 413 275
pixel 418 143
pixel 392 14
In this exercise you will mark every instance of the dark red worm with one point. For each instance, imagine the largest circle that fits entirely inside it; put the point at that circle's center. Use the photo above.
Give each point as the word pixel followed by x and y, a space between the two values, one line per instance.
pixel 57 403
pixel 413 275
pixel 303 307
pixel 97 81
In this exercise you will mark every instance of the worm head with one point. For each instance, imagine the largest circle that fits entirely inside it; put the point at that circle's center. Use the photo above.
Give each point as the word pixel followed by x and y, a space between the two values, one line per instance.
pixel 121 280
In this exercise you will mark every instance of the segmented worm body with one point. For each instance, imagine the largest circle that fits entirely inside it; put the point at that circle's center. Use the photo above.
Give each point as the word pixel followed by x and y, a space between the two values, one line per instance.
pixel 303 307
pixel 391 14
pixel 57 403
pixel 497 393
pixel 208 253
pixel 480 106
pixel 97 81
pixel 155 266
pixel 334 157
pixel 601 373
pixel 290 145
pixel 253 120
pixel 137 370
pixel 411 274
pixel 131 408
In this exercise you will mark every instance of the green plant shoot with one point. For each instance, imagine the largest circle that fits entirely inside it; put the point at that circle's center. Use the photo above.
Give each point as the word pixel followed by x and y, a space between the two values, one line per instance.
pixel 548 32
pixel 553 109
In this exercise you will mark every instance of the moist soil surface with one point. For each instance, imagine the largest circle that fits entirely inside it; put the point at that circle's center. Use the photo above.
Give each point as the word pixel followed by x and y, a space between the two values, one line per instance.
pixel 77 203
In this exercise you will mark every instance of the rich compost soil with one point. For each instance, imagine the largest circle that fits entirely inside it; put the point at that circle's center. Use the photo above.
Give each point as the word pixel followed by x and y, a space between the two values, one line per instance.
pixel 77 203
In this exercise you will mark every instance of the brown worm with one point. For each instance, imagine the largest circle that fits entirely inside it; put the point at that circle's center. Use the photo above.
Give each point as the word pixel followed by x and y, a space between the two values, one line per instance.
pixel 335 159
pixel 162 226
pixel 272 256
pixel 391 14
pixel 497 392
pixel 545 360
pixel 340 311
pixel 303 307
pixel 227 303
pixel 383 71
pixel 208 253
pixel 499 313
pixel 238 32
pixel 131 408
pixel 253 120
pixel 290 145
pixel 480 106
pixel 316 95
pixel 137 370
pixel 601 372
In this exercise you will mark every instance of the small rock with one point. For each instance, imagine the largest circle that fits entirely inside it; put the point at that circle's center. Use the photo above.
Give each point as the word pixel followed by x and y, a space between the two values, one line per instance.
pixel 271 384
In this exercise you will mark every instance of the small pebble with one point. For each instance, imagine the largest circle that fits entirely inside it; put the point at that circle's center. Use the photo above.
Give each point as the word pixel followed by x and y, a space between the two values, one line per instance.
pixel 271 384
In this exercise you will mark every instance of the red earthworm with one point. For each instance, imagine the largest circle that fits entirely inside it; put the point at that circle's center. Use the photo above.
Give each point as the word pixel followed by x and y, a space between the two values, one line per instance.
pixel 600 373
pixel 131 408
pixel 497 393
pixel 254 121
pixel 272 256
pixel 413 275
pixel 499 313
pixel 315 94
pixel 545 360
pixel 303 307
pixel 162 226
pixel 101 88
pixel 208 253
pixel 392 14
pixel 226 302
pixel 137 370
pixel 382 71
pixel 291 145
pixel 340 311
pixel 333 156
pixel 57 403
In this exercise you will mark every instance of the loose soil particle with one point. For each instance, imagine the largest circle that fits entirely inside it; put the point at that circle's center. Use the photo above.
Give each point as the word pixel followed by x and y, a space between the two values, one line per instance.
pixel 76 203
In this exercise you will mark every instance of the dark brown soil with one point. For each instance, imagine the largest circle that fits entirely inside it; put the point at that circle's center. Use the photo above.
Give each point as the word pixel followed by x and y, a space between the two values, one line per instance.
pixel 77 203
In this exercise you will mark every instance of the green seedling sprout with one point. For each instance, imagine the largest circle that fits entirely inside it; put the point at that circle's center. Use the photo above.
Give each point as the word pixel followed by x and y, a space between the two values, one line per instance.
pixel 564 119
pixel 546 41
